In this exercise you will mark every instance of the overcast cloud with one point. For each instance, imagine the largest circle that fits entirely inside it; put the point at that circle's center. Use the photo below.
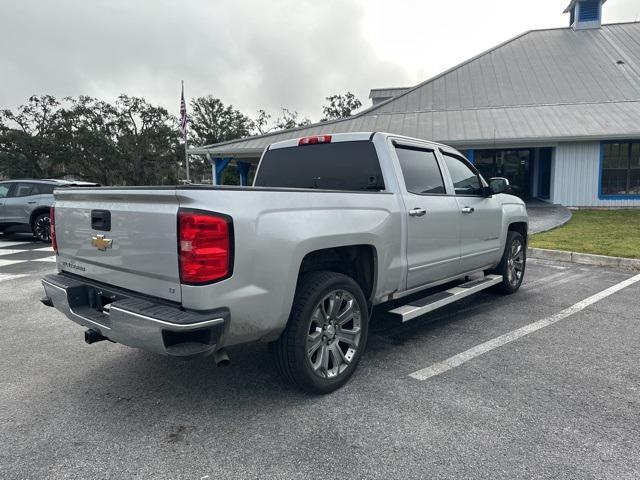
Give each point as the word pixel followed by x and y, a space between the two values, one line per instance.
pixel 253 54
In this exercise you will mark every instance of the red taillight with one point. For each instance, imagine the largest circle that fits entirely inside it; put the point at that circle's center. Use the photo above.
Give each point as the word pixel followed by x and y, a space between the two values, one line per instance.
pixel 52 229
pixel 314 139
pixel 204 246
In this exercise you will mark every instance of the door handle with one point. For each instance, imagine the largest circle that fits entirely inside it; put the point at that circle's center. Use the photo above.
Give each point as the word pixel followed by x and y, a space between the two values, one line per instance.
pixel 417 212
pixel 31 203
pixel 468 210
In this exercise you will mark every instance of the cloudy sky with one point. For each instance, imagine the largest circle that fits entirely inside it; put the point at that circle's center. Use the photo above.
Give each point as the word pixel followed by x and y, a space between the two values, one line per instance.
pixel 253 54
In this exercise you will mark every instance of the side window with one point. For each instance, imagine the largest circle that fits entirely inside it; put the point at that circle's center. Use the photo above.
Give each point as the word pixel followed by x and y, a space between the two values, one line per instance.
pixel 420 170
pixel 465 180
pixel 4 190
pixel 23 190
pixel 45 188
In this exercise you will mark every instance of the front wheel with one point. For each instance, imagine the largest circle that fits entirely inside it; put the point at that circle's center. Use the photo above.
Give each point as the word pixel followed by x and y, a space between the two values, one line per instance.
pixel 326 333
pixel 41 227
pixel 513 263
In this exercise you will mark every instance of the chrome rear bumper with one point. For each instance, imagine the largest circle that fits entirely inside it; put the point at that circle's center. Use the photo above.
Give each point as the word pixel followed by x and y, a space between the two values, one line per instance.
pixel 133 320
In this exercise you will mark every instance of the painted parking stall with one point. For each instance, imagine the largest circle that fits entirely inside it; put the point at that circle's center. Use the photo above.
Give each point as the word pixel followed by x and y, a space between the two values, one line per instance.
pixel 486 347
pixel 503 414
pixel 23 252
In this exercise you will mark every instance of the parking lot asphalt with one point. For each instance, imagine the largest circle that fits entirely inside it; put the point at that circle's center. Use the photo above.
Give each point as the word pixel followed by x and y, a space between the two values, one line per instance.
pixel 560 402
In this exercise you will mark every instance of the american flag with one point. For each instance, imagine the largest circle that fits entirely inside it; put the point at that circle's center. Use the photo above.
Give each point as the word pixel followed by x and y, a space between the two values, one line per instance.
pixel 183 113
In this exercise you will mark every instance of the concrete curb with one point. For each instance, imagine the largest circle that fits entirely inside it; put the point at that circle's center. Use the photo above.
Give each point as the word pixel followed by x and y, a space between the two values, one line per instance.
pixel 584 258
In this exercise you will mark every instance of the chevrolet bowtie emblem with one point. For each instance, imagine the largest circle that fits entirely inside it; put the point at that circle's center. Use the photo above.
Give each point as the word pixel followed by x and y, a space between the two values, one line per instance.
pixel 101 243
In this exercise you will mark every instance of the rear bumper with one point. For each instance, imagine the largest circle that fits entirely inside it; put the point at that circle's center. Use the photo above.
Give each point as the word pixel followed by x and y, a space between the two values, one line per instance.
pixel 134 320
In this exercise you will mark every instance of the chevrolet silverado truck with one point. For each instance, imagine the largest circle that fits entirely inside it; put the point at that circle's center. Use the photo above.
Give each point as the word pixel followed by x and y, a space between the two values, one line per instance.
pixel 332 226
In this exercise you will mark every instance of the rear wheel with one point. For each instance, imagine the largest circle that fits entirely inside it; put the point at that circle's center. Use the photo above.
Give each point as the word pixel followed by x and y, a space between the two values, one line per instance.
pixel 326 333
pixel 513 263
pixel 41 227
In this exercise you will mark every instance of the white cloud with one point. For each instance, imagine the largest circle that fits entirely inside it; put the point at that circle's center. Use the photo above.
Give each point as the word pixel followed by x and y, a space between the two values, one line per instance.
pixel 251 53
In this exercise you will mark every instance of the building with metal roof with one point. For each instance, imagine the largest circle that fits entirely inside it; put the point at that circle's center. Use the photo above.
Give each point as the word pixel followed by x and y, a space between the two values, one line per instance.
pixel 557 111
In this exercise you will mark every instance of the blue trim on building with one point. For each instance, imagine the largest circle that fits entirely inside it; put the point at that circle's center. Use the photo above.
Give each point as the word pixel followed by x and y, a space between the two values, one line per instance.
pixel 546 163
pixel 243 171
pixel 602 196
pixel 471 155
pixel 221 164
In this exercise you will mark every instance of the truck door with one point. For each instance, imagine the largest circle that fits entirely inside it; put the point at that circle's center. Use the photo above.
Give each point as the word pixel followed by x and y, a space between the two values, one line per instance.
pixel 480 217
pixel 433 232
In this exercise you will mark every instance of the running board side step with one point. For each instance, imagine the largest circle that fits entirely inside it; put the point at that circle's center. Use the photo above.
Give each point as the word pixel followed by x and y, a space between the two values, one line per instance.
pixel 438 300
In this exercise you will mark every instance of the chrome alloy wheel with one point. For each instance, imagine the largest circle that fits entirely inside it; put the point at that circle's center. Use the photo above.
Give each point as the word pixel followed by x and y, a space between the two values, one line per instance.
pixel 334 334
pixel 515 263
pixel 42 228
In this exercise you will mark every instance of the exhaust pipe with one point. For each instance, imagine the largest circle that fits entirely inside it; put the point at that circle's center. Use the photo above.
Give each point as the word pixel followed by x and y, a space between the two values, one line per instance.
pixel 221 357
pixel 93 336
pixel 46 301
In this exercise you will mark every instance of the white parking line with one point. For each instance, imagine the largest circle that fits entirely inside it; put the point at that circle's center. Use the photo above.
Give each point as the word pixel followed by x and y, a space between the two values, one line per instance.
pixel 52 259
pixel 557 282
pixel 4 263
pixel 543 280
pixel 4 277
pixel 12 244
pixel 485 347
pixel 9 251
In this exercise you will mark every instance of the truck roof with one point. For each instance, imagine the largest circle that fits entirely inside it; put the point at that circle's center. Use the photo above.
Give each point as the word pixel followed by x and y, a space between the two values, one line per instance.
pixel 346 137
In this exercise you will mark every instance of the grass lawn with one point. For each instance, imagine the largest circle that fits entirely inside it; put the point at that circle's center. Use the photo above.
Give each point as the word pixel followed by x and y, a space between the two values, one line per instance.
pixel 603 232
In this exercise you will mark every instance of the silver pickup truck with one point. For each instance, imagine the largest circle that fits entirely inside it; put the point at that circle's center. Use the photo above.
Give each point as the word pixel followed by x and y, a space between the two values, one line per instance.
pixel 333 225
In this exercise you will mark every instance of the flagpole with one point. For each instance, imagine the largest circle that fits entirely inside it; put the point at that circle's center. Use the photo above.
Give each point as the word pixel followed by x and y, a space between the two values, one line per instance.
pixel 186 154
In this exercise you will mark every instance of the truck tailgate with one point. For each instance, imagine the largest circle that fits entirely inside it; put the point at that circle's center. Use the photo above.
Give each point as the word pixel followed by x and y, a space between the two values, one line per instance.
pixel 138 250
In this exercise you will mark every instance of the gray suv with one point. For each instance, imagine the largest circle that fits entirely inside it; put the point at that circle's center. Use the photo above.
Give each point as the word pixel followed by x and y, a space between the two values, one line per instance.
pixel 24 205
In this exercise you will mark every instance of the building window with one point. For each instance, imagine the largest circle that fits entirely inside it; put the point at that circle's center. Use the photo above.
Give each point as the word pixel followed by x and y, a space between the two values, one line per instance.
pixel 621 169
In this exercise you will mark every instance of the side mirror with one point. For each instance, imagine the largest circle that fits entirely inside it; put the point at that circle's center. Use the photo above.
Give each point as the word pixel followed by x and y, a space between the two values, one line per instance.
pixel 498 185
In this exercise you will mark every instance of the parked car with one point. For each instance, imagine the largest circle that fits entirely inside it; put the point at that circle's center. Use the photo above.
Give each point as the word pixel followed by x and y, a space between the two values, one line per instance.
pixel 333 225
pixel 25 204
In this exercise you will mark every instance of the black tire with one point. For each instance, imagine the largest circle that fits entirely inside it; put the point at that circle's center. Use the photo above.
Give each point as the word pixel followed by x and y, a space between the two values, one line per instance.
pixel 314 293
pixel 511 279
pixel 41 227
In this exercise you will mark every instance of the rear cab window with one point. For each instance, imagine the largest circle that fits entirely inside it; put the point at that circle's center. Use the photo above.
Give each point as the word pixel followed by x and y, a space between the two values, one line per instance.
pixel 349 166
pixel 4 190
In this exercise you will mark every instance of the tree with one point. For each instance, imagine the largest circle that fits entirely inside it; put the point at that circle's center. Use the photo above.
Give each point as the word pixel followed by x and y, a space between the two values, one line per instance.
pixel 289 119
pixel 87 135
pixel 129 143
pixel 261 123
pixel 340 106
pixel 210 121
pixel 148 142
pixel 27 138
